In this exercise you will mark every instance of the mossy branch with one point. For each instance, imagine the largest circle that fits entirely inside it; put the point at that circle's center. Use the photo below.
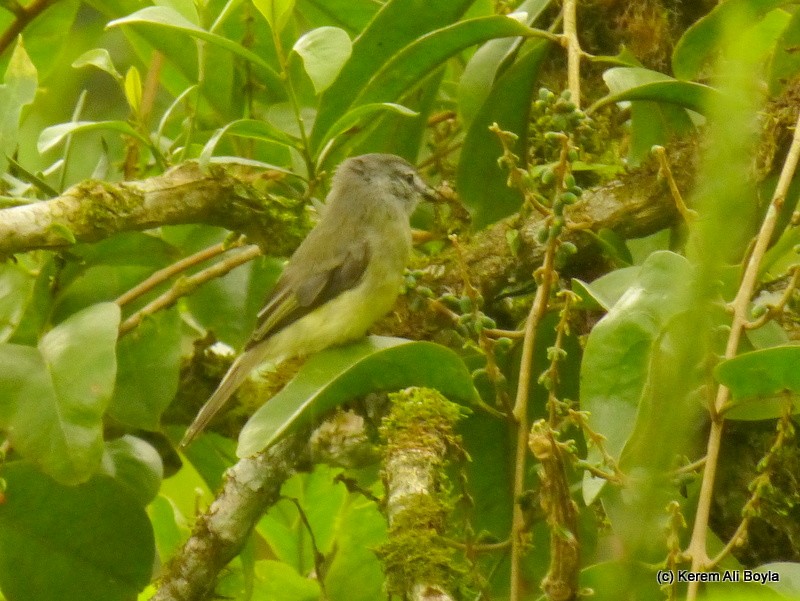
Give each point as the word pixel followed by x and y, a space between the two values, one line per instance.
pixel 419 437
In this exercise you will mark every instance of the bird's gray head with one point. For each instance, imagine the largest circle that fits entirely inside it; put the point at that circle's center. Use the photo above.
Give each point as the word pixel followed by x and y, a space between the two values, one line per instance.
pixel 386 176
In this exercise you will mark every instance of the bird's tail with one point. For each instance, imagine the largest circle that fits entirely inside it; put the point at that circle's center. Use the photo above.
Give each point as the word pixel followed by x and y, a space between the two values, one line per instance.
pixel 237 374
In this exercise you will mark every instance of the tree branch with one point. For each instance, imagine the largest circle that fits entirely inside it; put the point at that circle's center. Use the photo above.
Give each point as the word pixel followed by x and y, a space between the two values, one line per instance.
pixel 230 196
pixel 251 486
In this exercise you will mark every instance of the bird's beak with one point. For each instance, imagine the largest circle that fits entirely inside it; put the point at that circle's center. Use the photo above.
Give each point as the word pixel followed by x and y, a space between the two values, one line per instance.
pixel 430 195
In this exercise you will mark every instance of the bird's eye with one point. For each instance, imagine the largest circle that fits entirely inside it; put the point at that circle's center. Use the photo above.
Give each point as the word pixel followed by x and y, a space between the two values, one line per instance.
pixel 409 177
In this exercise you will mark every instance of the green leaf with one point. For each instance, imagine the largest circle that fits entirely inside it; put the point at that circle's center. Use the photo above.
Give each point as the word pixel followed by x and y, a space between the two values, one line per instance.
pixel 620 351
pixel 106 553
pixel 133 89
pixel 785 62
pixel 403 71
pixel 397 24
pixel 396 133
pixel 419 58
pixel 490 60
pixel 16 288
pixel 324 51
pixel 46 42
pixel 703 39
pixel 658 105
pixel 277 580
pixel 276 12
pixel 20 80
pixel 761 382
pixel 164 517
pixel 247 128
pixel 55 134
pixel 607 578
pixel 136 464
pixel 351 15
pixel 377 364
pixel 323 499
pixel 148 370
pixel 228 305
pixel 52 398
pixel 17 91
pixel 606 290
pixel 356 116
pixel 481 182
pixel 100 58
pixel 788 578
pixel 614 246
pixel 635 83
pixel 162 16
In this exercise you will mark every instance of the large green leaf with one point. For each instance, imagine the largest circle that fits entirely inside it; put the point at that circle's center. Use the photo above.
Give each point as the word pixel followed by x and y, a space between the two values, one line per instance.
pixel 420 57
pixel 635 83
pixel 490 60
pixel 620 361
pixel 702 40
pixel 481 181
pixel 412 64
pixel 658 105
pixel 606 290
pixel 377 364
pixel 55 134
pixel 358 115
pixel 276 12
pixel 762 382
pixel 99 58
pixel 397 133
pixel 785 62
pixel 52 398
pixel 134 463
pixel 347 527
pixel 324 51
pixel 169 19
pixel 247 128
pixel 351 15
pixel 277 580
pixel 397 24
pixel 148 369
pixel 18 90
pixel 45 41
pixel 91 542
pixel 16 288
pixel 180 70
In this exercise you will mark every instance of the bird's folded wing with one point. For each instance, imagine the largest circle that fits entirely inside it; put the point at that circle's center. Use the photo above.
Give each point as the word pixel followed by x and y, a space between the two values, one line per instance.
pixel 297 292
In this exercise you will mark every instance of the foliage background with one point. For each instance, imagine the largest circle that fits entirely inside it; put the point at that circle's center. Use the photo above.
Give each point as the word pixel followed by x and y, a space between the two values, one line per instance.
pixel 225 116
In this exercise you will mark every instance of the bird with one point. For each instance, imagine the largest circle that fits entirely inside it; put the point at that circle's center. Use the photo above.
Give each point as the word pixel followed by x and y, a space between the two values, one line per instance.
pixel 345 275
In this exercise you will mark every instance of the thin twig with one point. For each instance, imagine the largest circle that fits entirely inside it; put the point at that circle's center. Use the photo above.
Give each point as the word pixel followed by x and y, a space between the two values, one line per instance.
pixel 687 213
pixel 776 309
pixel 162 275
pixel 23 16
pixel 694 466
pixel 697 545
pixel 188 285
pixel 760 483
pixel 499 333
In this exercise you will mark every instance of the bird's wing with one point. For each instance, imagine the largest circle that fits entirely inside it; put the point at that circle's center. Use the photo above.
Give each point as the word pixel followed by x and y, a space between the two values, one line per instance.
pixel 309 282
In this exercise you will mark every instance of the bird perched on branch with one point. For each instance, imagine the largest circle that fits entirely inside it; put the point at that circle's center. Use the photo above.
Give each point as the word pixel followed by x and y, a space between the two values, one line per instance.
pixel 344 276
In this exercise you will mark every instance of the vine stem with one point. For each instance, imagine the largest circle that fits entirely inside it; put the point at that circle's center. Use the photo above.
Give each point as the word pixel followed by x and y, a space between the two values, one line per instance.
pixel 697 545
pixel 573 50
pixel 538 310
